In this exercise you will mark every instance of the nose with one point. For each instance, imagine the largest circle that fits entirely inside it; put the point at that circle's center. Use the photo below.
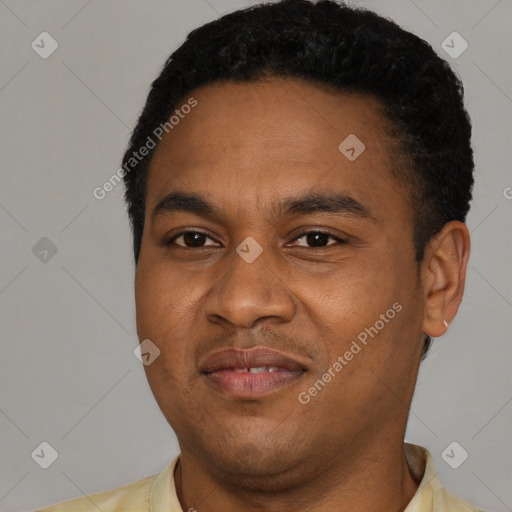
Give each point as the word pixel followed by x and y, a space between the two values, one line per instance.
pixel 246 293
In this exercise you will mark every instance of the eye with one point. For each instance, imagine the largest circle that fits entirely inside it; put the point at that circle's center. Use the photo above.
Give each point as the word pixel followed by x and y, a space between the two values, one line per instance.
pixel 313 239
pixel 318 239
pixel 191 239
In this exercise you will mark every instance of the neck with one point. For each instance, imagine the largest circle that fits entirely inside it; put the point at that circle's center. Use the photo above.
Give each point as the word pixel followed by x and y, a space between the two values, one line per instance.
pixel 372 478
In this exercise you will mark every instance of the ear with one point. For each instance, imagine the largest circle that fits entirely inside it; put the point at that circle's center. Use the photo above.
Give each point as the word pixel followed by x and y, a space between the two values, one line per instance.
pixel 443 273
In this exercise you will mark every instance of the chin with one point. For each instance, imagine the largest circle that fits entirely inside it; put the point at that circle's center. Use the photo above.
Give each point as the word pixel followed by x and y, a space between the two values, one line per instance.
pixel 263 463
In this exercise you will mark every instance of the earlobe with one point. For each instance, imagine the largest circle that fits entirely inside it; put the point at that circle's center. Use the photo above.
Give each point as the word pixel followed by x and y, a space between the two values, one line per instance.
pixel 444 275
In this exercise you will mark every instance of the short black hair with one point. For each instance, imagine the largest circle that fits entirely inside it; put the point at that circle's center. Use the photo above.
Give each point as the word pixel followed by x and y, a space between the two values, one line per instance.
pixel 348 49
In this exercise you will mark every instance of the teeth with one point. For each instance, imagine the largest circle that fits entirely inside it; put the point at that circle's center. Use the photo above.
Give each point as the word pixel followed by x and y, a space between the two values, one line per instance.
pixel 258 369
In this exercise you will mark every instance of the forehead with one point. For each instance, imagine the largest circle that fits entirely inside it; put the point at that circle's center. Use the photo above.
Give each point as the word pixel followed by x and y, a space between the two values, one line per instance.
pixel 257 141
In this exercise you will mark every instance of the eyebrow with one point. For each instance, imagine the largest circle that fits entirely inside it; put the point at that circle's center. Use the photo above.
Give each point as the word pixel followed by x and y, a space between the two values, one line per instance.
pixel 307 204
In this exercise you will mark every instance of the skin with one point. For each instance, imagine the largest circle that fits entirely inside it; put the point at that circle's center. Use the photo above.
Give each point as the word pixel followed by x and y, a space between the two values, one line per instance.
pixel 245 147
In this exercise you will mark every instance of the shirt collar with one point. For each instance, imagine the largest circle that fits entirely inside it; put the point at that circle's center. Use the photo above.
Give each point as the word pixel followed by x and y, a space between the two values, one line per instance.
pixel 163 496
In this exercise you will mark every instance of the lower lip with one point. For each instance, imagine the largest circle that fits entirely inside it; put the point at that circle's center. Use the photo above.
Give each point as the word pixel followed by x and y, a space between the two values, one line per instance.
pixel 252 385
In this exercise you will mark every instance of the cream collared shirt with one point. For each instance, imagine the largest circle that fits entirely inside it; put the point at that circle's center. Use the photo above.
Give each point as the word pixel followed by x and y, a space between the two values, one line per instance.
pixel 158 494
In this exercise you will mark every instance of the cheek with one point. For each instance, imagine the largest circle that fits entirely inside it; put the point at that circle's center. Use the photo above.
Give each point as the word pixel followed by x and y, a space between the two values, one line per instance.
pixel 164 315
pixel 356 292
pixel 365 302
pixel 165 301
pixel 169 309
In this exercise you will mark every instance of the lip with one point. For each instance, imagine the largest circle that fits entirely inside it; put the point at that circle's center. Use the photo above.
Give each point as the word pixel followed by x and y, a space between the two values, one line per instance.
pixel 227 371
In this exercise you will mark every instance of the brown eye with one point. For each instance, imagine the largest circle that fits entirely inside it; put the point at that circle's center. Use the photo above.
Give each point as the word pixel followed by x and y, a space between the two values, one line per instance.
pixel 317 239
pixel 190 239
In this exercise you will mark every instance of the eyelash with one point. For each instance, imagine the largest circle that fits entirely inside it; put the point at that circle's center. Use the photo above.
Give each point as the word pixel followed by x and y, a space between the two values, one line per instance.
pixel 171 241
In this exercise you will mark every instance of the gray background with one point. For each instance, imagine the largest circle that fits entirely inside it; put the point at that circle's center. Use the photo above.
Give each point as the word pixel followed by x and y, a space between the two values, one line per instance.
pixel 68 374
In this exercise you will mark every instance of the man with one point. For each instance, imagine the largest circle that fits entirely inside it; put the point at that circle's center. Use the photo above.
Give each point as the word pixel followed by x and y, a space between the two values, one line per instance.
pixel 297 185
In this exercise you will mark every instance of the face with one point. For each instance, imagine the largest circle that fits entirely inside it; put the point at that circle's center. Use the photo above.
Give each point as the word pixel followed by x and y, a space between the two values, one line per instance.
pixel 266 246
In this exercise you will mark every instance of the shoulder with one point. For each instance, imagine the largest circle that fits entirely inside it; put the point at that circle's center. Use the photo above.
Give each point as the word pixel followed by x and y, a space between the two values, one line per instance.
pixel 133 497
pixel 454 503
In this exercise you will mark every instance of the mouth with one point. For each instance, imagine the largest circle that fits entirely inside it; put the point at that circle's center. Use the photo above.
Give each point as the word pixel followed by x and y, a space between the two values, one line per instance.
pixel 251 373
